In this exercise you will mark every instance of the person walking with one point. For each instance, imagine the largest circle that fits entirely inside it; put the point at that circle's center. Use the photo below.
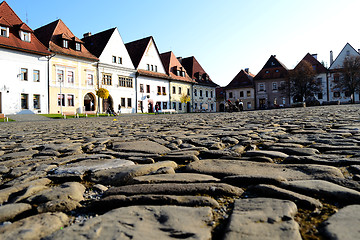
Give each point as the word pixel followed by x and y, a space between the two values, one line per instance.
pixel 241 106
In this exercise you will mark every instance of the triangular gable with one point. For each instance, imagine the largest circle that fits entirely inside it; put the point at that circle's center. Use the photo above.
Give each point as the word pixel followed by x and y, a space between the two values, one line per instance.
pixel 241 80
pixel 338 62
pixel 318 67
pixel 25 28
pixel 272 69
pixel 4 23
pixel 136 49
pixel 9 14
pixel 96 43
pixel 172 64
pixel 194 69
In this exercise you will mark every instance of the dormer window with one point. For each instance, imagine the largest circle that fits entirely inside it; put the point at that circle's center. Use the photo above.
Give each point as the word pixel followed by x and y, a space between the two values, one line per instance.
pixel 65 43
pixel 119 60
pixel 4 31
pixel 25 36
pixel 78 46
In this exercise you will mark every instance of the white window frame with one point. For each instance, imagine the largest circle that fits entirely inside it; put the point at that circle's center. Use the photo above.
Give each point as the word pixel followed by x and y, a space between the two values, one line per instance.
pixel 36 78
pixel 25 36
pixel 70 78
pixel 5 30
pixel 72 97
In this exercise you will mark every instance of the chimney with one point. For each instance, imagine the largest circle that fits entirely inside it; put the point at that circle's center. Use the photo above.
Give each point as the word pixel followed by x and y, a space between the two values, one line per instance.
pixel 246 70
pixel 179 59
pixel 314 55
pixel 88 34
pixel 331 57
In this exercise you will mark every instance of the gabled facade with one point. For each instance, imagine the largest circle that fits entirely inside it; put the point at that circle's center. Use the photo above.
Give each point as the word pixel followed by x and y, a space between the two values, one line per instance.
pixel 72 68
pixel 241 88
pixel 116 71
pixel 203 95
pixel 152 82
pixel 267 82
pixel 23 66
pixel 335 72
pixel 321 77
pixel 180 82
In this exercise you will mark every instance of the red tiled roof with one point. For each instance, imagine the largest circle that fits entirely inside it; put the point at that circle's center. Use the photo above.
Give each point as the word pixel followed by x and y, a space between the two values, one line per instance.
pixel 171 64
pixel 241 80
pixel 318 67
pixel 52 35
pixel 96 43
pixel 9 19
pixel 136 49
pixel 142 72
pixel 194 69
pixel 273 69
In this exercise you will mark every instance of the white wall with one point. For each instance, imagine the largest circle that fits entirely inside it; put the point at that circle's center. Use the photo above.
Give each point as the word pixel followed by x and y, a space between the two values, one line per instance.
pixel 11 86
pixel 154 83
pixel 200 103
pixel 151 57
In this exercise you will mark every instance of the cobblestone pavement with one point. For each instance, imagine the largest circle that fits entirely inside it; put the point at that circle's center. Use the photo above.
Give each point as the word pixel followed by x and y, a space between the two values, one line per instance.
pixel 274 174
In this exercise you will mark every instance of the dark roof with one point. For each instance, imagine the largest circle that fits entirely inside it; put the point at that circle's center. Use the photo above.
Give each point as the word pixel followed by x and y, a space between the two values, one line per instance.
pixel 171 65
pixel 318 67
pixel 136 49
pixel 8 18
pixel 273 69
pixel 96 43
pixel 52 34
pixel 194 69
pixel 241 80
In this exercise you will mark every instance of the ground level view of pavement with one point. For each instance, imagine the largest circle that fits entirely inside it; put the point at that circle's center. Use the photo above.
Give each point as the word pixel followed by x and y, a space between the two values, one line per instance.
pixel 272 174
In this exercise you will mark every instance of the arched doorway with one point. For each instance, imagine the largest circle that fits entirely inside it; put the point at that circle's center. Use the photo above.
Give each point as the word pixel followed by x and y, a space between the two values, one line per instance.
pixel 222 107
pixel 150 106
pixel 108 103
pixel 89 102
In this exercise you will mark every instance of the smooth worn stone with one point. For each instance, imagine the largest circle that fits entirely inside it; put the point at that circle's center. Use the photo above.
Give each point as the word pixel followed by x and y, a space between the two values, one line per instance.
pixel 28 192
pixel 180 159
pixel 212 189
pixel 141 160
pixel 64 205
pixel 174 178
pixel 100 187
pixel 163 170
pixel 343 225
pixel 246 180
pixel 302 201
pixel 6 192
pixel 143 222
pixel 4 169
pixel 297 151
pixel 222 168
pixel 16 156
pixel 81 157
pixel 263 218
pixel 229 140
pixel 17 172
pixel 116 201
pixel 219 154
pixel 31 176
pixel 67 191
pixel 324 189
pixel 34 227
pixel 323 159
pixel 271 154
pixel 120 176
pixel 10 211
pixel 141 146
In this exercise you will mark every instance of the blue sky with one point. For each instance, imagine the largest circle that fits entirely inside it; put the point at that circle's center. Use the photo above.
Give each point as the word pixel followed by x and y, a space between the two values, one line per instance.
pixel 224 36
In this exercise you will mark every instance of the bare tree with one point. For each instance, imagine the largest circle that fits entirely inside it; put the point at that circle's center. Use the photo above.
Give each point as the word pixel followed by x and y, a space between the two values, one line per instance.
pixel 349 82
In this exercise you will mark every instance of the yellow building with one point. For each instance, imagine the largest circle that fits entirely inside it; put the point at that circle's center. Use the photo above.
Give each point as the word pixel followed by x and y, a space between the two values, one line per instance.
pixel 180 83
pixel 72 70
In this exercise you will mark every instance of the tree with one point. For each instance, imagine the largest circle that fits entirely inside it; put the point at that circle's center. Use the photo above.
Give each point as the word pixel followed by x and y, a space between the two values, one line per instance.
pixel 102 93
pixel 185 98
pixel 349 82
pixel 302 82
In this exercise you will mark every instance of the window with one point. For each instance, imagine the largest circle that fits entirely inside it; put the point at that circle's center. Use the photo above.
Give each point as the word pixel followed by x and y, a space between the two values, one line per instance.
pixel 261 87
pixel 65 43
pixel 159 104
pixel 155 68
pixel 147 88
pixel 129 82
pixel 174 90
pixel 195 92
pixel 152 68
pixel 119 60
pixel 183 73
pixel 267 71
pixel 164 105
pixel 174 105
pixel 24 74
pixel 107 79
pixel 230 94
pixel 248 93
pixel 61 100
pixel 347 53
pixel 122 102
pixel 25 36
pixel 148 67
pixel 195 106
pixel 180 106
pixel 211 94
pixel 70 77
pixel 126 82
pixel 320 95
pixel 164 90
pixel 24 101
pixel 248 105
pixel 70 100
pixel 36 101
pixel 188 91
pixel 178 73
pixel 4 31
pixel 336 94
pixel 129 105
pixel 206 94
pixel 78 46
pixel 274 86
pixel 60 75
pixel 347 94
pixel 158 90
pixel 141 88
pixel 241 94
pixel 336 78
pixel 179 90
pixel 36 76
pixel 212 107
pixel 113 59
pixel 90 79
pixel 200 93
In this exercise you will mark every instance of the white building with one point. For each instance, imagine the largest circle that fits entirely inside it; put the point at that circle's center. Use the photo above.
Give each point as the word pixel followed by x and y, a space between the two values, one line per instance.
pixel 116 71
pixel 23 66
pixel 335 69
pixel 152 82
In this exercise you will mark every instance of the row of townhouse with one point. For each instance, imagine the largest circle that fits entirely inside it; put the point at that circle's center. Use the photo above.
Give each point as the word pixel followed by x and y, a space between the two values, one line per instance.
pixel 262 91
pixel 50 70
